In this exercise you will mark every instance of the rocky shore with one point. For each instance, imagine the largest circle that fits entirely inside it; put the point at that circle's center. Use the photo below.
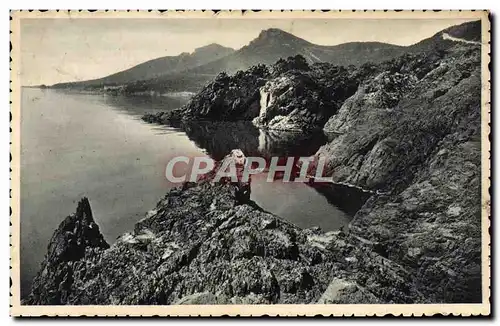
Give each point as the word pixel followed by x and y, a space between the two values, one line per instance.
pixel 289 95
pixel 203 244
pixel 407 129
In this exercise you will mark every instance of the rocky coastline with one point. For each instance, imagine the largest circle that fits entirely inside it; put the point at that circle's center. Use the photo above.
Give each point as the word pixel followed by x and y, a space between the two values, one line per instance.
pixel 204 244
pixel 407 129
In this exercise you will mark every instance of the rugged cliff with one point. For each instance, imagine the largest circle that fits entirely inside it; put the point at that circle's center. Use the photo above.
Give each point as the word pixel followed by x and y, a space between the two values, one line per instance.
pixel 410 131
pixel 416 137
pixel 76 237
pixel 398 116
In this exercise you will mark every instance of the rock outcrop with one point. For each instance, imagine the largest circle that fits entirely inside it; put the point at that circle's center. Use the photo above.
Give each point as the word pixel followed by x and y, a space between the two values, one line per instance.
pixel 299 97
pixel 226 98
pixel 396 119
pixel 76 237
pixel 290 95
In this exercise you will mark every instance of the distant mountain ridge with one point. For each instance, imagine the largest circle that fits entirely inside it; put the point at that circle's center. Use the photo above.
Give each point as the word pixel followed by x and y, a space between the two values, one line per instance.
pixel 160 66
pixel 273 44
pixel 191 71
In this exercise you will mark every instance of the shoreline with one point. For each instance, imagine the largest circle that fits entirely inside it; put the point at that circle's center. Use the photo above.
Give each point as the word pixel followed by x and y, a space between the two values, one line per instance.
pixel 152 94
pixel 194 244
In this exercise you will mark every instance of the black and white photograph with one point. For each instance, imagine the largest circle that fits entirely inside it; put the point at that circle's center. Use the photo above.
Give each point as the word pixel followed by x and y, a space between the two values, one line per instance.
pixel 250 162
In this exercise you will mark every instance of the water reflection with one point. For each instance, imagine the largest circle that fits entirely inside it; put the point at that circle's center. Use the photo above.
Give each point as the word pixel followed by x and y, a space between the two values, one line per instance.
pixel 219 138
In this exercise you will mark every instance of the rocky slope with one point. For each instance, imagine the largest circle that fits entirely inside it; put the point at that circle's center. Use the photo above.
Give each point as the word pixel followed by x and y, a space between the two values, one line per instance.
pixel 417 137
pixel 397 117
pixel 203 244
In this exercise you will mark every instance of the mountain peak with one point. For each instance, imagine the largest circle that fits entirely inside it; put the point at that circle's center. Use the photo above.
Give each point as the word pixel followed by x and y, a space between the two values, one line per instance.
pixel 275 33
pixel 278 37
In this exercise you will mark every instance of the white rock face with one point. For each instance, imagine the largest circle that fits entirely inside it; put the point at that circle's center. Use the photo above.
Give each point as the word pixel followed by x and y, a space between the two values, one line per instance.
pixel 272 90
pixel 263 141
pixel 265 100
pixel 274 93
pixel 447 36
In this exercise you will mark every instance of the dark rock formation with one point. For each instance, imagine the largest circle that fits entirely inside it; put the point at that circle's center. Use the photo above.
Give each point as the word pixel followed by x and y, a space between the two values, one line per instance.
pixel 228 98
pixel 396 119
pixel 291 96
pixel 76 237
pixel 299 97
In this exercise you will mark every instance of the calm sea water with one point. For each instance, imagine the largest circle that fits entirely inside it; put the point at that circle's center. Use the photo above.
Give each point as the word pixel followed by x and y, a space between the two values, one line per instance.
pixel 75 145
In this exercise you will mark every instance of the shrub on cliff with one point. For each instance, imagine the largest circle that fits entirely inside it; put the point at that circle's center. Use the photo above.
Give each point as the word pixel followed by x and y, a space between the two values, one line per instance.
pixel 297 62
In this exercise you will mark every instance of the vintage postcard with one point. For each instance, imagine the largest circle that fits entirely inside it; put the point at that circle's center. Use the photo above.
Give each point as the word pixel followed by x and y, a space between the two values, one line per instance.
pixel 291 163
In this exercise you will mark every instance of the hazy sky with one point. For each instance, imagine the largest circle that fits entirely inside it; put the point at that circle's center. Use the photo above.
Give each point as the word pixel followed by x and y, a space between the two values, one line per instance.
pixel 63 49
